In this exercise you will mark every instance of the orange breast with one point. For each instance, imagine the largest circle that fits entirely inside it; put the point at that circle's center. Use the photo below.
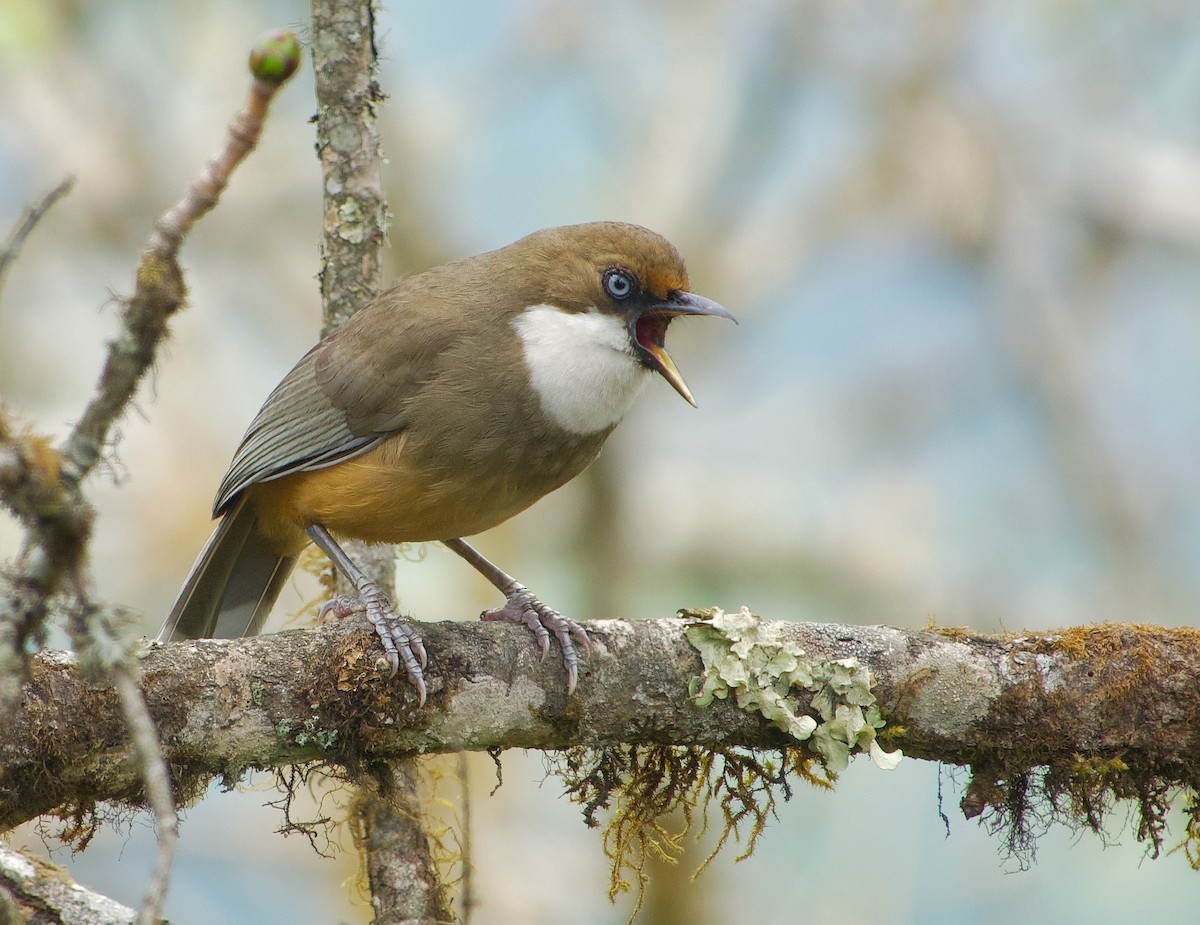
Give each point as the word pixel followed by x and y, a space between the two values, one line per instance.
pixel 390 496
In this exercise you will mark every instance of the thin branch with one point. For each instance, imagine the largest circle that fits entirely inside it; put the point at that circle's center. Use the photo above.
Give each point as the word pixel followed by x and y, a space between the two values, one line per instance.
pixel 32 215
pixel 160 290
pixel 57 516
pixel 58 522
pixel 42 486
pixel 157 778
pixel 467 889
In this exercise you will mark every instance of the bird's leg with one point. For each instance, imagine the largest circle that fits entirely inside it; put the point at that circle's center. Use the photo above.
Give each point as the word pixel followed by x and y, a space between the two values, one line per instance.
pixel 400 640
pixel 522 607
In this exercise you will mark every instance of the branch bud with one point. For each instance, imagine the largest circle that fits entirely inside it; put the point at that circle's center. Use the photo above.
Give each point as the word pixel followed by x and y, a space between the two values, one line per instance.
pixel 275 56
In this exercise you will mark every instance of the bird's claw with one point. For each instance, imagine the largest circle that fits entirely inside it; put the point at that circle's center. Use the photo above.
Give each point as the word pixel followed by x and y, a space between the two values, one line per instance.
pixel 340 607
pixel 522 607
pixel 401 642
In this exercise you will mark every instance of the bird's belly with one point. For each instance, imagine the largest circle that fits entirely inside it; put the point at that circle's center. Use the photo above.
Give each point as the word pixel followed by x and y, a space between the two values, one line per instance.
pixel 394 494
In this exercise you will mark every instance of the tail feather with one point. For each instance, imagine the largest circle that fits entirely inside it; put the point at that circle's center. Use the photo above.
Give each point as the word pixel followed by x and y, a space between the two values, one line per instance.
pixel 234 583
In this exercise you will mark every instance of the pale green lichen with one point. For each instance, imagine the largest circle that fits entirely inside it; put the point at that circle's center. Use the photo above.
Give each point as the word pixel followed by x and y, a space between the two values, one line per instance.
pixel 351 225
pixel 768 674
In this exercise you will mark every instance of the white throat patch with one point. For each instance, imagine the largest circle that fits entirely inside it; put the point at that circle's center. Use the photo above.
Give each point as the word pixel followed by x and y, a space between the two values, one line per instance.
pixel 580 366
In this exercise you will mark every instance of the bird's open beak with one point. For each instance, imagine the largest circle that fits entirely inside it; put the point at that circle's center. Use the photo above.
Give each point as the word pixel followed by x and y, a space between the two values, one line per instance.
pixel 649 330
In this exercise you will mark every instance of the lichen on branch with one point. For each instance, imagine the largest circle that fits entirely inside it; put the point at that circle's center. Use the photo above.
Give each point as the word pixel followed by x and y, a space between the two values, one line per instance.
pixel 772 675
pixel 657 795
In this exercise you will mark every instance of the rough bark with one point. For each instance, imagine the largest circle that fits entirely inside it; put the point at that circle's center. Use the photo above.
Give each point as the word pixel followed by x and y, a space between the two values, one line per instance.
pixel 33 890
pixel 403 878
pixel 1078 699
pixel 343 52
pixel 404 884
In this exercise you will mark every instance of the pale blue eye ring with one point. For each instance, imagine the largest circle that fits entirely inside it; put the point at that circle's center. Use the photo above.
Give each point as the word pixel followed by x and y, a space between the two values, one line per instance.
pixel 619 284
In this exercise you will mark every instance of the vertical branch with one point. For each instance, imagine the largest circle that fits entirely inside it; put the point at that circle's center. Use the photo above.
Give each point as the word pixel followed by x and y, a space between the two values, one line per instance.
pixel 355 218
pixel 400 869
pixel 355 213
pixel 403 879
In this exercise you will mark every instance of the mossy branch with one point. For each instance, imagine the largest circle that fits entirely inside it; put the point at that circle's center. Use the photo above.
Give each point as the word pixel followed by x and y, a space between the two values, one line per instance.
pixel 1082 716
pixel 41 485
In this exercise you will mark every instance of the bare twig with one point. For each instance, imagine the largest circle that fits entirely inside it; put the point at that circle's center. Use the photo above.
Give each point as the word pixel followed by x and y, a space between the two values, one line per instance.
pixel 470 901
pixel 157 778
pixel 42 485
pixel 32 215
pixel 160 290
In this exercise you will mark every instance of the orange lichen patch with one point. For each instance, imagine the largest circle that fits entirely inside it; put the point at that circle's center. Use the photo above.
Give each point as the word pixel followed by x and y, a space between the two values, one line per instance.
pixel 1143 652
pixel 1138 640
pixel 37 454
pixel 41 457
pixel 1113 717
pixel 957 633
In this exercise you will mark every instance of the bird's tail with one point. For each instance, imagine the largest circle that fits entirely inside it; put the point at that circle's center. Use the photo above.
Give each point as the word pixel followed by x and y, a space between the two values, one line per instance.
pixel 230 590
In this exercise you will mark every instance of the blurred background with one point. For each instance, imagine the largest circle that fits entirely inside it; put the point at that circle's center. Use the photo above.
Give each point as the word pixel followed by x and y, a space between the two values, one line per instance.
pixel 963 240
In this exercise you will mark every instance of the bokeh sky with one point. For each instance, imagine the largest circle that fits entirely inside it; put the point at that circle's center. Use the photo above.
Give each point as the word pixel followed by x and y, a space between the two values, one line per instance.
pixel 963 242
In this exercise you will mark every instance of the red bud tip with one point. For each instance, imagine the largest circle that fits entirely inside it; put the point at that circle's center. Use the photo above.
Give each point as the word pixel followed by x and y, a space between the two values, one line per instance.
pixel 276 56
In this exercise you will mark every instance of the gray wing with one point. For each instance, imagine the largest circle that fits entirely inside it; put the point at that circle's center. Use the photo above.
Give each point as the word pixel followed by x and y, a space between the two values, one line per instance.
pixel 350 392
pixel 296 429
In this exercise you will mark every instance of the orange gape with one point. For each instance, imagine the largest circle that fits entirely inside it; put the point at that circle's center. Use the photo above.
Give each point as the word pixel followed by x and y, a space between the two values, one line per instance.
pixel 450 403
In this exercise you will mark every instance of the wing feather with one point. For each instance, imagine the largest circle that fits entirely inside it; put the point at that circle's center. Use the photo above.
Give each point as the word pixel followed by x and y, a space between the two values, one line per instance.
pixel 352 390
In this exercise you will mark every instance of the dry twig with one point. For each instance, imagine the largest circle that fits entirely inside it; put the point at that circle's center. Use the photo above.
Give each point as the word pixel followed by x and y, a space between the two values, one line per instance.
pixel 42 485
pixel 33 214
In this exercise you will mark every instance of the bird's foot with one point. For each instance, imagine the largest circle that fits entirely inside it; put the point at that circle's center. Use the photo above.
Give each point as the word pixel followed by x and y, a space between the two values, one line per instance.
pixel 522 607
pixel 401 643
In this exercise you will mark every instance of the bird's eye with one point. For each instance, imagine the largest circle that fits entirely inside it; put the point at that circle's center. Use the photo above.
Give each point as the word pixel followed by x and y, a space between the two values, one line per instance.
pixel 619 284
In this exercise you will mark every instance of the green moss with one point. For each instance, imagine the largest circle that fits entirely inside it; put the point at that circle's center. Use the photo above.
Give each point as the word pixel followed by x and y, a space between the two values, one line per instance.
pixel 657 795
pixel 1023 779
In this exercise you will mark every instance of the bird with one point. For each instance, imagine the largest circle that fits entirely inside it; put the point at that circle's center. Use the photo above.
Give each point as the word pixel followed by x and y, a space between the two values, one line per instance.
pixel 446 405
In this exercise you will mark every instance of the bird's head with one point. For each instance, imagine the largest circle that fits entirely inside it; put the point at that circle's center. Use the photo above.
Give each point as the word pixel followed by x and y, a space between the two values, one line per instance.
pixel 598 301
